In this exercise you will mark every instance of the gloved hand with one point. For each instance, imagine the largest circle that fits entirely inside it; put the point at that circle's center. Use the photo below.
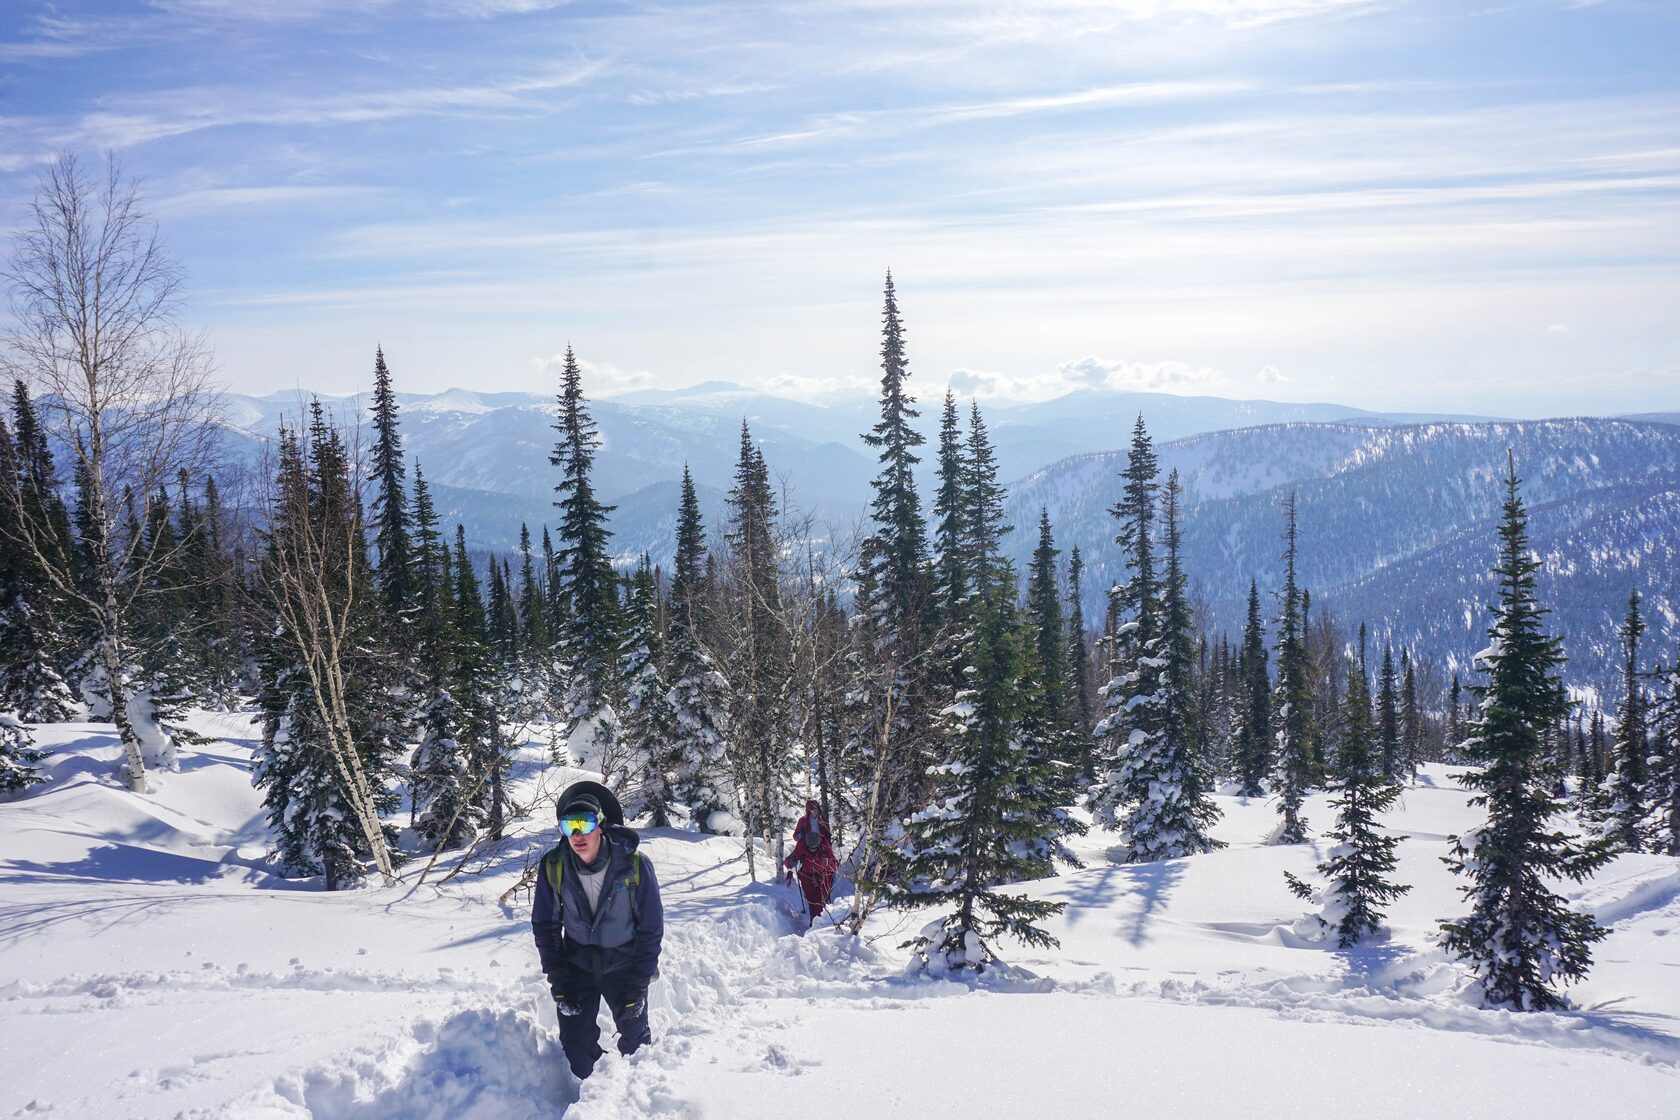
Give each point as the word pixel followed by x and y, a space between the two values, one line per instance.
pixel 635 1001
pixel 562 1002
pixel 788 863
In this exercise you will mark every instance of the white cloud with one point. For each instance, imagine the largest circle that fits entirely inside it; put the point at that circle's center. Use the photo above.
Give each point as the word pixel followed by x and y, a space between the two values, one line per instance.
pixel 1090 372
pixel 1269 375
pixel 1558 328
pixel 807 387
pixel 1152 377
pixel 599 378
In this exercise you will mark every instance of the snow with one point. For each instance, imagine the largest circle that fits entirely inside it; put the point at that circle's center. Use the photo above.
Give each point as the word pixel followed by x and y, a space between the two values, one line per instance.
pixel 153 965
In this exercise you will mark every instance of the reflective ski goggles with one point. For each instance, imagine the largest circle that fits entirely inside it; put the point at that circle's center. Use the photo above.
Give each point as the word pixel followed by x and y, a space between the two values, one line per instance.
pixel 579 824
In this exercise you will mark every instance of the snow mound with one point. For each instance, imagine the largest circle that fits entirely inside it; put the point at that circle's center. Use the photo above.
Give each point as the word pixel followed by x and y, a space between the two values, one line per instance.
pixel 476 1064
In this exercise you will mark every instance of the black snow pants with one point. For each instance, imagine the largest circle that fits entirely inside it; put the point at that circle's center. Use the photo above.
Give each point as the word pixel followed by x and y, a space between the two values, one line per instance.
pixel 580 1034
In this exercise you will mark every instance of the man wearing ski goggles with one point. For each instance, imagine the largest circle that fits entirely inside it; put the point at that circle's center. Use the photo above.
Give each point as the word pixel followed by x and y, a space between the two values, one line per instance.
pixel 598 921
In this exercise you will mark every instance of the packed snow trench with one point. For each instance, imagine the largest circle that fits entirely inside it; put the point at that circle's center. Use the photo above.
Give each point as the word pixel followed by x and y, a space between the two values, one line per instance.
pixel 152 965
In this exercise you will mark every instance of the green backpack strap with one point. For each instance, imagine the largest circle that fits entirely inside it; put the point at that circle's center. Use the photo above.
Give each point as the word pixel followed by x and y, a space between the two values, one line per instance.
pixel 555 868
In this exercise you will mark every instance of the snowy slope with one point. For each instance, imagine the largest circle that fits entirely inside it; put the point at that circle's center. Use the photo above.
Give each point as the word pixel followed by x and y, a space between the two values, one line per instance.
pixel 150 965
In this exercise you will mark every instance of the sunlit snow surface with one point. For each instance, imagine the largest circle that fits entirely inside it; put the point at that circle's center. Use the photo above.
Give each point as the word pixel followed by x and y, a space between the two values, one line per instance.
pixel 152 966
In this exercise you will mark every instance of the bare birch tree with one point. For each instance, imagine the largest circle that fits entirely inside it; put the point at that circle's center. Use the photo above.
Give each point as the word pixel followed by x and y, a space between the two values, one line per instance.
pixel 122 387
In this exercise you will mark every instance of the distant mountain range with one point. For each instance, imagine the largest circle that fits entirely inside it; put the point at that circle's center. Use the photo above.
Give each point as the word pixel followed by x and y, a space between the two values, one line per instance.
pixel 1397 525
pixel 1396 510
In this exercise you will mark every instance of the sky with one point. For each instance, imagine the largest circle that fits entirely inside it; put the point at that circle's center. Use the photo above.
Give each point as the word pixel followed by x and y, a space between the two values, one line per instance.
pixel 1423 206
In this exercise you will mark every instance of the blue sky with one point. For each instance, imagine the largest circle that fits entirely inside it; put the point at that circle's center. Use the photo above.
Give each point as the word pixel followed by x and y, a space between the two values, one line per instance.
pixel 1400 205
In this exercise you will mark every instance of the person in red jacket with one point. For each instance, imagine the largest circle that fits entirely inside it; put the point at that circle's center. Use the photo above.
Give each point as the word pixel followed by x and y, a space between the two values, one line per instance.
pixel 813 858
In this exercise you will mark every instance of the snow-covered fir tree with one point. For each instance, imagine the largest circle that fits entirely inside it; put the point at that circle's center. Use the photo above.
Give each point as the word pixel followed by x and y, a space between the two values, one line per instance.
pixel 324 761
pixel 1253 750
pixel 699 696
pixel 1626 802
pixel 650 722
pixel 19 760
pixel 586 585
pixel 1411 714
pixel 1665 764
pixel 1359 867
pixel 33 639
pixel 1169 804
pixel 1080 689
pixel 1131 710
pixel 1389 748
pixel 1520 938
pixel 888 701
pixel 452 815
pixel 316 802
pixel 978 828
pixel 757 655
pixel 1292 722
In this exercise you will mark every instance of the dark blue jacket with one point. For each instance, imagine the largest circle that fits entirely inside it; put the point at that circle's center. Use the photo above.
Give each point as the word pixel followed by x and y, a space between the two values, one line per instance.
pixel 562 950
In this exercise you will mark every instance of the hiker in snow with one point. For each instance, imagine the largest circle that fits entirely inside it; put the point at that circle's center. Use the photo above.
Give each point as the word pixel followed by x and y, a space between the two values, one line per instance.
pixel 598 923
pixel 813 857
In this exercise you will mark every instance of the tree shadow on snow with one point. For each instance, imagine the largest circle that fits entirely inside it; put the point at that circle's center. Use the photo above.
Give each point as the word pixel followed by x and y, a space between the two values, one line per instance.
pixel 1151 884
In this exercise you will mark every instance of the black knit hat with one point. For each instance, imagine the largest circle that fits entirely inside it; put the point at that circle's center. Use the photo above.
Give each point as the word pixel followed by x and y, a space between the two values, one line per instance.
pixel 592 797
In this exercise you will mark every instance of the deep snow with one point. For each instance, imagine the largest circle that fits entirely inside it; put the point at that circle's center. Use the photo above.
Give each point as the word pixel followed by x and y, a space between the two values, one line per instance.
pixel 151 965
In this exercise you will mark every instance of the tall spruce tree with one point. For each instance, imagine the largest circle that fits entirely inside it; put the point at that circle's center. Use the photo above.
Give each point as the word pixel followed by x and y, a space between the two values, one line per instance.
pixel 1665 764
pixel 320 775
pixel 649 719
pixel 1168 788
pixel 1079 689
pixel 1292 720
pixel 888 703
pixel 33 637
pixel 1132 715
pixel 587 586
pixel 1519 938
pixel 1360 866
pixel 1411 715
pixel 699 748
pixel 390 498
pixel 759 653
pixel 1254 731
pixel 1627 802
pixel 979 827
pixel 1388 716
pixel 1044 612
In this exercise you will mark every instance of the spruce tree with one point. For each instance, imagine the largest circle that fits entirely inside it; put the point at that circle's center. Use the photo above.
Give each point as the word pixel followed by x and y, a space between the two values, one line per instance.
pixel 649 719
pixel 1388 716
pixel 308 800
pixel 1168 788
pixel 33 637
pixel 1132 709
pixel 1079 689
pixel 1519 938
pixel 1044 611
pixel 1411 715
pixel 390 498
pixel 1254 730
pixel 1627 802
pixel 19 759
pixel 699 695
pixel 978 828
pixel 758 654
pixel 888 703
pixel 1292 720
pixel 1665 764
pixel 1358 870
pixel 587 587
pixel 950 582
pixel 1455 716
